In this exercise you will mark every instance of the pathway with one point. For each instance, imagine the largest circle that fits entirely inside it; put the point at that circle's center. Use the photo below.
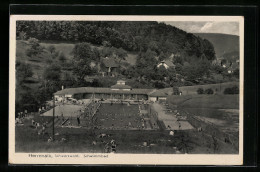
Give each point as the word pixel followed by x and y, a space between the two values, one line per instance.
pixel 169 119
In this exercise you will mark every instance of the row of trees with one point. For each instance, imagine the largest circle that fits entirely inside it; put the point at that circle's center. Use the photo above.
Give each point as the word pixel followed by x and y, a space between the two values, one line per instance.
pixel 231 90
pixel 207 91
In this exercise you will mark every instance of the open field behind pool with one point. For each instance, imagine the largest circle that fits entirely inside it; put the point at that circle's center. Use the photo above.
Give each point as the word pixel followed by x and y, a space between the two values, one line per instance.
pixel 204 101
pixel 217 88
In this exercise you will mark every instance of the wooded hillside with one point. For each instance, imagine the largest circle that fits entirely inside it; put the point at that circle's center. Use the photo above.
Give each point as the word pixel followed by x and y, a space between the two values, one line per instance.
pixel 131 36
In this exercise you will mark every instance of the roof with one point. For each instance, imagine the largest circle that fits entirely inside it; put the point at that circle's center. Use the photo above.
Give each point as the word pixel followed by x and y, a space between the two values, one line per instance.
pixel 168 63
pixel 100 90
pixel 120 80
pixel 117 86
pixel 157 93
pixel 110 62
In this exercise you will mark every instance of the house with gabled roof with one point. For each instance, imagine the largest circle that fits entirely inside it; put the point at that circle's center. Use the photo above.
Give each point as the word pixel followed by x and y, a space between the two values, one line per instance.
pixel 166 63
pixel 110 65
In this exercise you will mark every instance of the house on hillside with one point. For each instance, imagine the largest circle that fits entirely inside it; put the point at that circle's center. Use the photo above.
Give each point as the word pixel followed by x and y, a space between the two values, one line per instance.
pixel 110 66
pixel 166 63
pixel 174 55
pixel 233 67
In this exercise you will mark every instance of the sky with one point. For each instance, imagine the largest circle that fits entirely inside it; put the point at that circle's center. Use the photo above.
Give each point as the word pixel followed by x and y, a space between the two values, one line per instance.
pixel 231 28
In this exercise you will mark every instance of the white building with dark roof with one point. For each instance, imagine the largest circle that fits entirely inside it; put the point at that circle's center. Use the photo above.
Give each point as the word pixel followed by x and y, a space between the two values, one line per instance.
pixel 119 91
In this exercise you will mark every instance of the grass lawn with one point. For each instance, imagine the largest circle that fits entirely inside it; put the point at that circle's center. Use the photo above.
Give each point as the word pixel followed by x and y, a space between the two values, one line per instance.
pixel 205 101
pixel 217 88
pixel 62 47
pixel 80 140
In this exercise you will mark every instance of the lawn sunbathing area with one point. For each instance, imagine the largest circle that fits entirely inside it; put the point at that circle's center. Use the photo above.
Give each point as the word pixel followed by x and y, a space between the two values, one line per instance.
pixel 80 140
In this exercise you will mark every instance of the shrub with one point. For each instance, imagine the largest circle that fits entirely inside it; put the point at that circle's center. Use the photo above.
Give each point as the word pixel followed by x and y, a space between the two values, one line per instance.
pixel 200 91
pixel 176 91
pixel 49 61
pixel 51 49
pixel 232 90
pixel 55 54
pixel 62 57
pixel 209 91
pixel 35 48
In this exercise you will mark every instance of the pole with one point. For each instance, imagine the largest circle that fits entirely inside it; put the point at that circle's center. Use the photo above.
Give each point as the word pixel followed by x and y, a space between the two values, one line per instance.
pixel 53 116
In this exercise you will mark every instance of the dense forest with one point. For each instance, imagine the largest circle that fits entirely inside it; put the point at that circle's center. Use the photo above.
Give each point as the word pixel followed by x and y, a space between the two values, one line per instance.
pixel 131 36
pixel 41 69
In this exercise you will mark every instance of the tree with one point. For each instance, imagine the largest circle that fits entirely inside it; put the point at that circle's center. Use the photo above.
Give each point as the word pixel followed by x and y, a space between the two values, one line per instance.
pixel 232 90
pixel 176 90
pixel 68 80
pixel 146 64
pixel 51 49
pixel 200 91
pixel 162 56
pixel 172 73
pixel 22 35
pixel 106 44
pixel 178 59
pixel 121 54
pixel 236 73
pixel 82 56
pixel 161 73
pixel 218 69
pixel 35 47
pixel 131 36
pixel 52 73
pixel 209 91
pixel 62 57
pixel 23 71
pixel 178 68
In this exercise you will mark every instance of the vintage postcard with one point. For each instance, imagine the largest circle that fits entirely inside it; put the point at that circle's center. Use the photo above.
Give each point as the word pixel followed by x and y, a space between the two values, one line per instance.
pixel 129 90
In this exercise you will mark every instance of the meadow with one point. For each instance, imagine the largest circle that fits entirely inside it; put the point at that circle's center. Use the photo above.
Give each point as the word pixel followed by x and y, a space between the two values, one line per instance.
pixel 204 101
pixel 217 88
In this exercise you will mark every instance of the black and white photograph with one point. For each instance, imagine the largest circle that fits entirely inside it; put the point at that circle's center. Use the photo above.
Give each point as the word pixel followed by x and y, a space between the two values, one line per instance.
pixel 126 90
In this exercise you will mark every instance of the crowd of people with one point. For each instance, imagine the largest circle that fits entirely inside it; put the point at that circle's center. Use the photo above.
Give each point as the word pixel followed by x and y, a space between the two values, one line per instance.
pixel 21 116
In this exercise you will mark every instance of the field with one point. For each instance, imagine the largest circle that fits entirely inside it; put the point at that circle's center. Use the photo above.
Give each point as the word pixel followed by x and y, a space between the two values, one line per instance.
pixel 217 114
pixel 65 48
pixel 205 101
pixel 217 88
